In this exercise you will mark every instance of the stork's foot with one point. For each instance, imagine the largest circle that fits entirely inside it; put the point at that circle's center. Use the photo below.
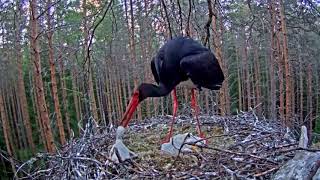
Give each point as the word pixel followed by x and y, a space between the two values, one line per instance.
pixel 181 143
pixel 119 152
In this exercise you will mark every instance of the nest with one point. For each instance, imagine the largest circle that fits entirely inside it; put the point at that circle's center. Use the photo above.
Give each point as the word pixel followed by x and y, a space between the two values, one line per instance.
pixel 240 146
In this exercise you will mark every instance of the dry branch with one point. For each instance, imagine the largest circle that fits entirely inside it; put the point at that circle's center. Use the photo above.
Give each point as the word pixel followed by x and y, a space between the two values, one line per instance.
pixel 245 147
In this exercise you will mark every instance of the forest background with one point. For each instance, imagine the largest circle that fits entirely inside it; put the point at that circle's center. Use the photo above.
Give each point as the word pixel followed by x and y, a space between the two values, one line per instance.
pixel 63 62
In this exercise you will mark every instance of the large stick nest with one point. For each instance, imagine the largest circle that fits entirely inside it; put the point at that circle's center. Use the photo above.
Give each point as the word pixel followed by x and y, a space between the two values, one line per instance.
pixel 240 146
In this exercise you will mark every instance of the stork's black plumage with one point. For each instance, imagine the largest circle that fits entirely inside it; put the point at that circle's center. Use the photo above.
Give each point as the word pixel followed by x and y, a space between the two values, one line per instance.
pixel 178 60
pixel 183 58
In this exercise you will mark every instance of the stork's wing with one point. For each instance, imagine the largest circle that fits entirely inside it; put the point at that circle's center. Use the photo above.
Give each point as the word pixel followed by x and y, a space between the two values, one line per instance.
pixel 203 69
pixel 154 71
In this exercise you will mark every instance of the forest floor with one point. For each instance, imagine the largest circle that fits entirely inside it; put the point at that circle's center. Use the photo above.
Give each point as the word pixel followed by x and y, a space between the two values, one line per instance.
pixel 239 146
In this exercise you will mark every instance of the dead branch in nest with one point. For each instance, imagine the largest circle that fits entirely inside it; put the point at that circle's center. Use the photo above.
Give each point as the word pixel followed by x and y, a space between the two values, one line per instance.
pixel 247 147
pixel 266 172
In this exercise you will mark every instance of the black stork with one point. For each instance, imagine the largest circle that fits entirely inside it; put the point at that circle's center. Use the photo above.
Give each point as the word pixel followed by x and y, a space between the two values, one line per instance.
pixel 178 60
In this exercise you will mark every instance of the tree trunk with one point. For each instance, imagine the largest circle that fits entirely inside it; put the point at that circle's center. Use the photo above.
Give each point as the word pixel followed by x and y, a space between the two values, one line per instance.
pixel 246 72
pixel 19 117
pixel 117 92
pixel 93 103
pixel 317 121
pixel 6 132
pixel 123 84
pixel 133 50
pixel 162 105
pixel 225 69
pixel 112 94
pixel 64 95
pixel 128 82
pixel 257 79
pixel 53 78
pixel 287 67
pixel 300 85
pixel 120 97
pixel 217 35
pixel 14 138
pixel 12 118
pixel 35 53
pixel 75 92
pixel 239 80
pixel 89 88
pixel 273 99
pixel 5 170
pixel 207 101
pixel 97 81
pixel 294 94
pixel 108 92
pixel 265 92
pixel 281 80
pixel 33 95
pixel 104 99
pixel 21 87
pixel 309 100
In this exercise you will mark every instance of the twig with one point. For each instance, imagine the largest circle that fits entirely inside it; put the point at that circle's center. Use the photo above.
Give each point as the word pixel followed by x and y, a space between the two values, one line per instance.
pixel 167 17
pixel 298 149
pixel 240 154
pixel 266 172
pixel 47 9
pixel 94 29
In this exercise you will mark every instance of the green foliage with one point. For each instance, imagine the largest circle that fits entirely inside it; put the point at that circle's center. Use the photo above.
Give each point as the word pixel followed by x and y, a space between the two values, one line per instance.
pixel 72 34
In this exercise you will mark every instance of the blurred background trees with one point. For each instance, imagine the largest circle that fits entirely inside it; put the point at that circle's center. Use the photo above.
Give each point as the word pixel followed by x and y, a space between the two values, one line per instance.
pixel 63 62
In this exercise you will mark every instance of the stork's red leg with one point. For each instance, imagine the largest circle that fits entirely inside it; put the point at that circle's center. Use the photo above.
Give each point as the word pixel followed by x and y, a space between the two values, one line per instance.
pixel 175 107
pixel 196 112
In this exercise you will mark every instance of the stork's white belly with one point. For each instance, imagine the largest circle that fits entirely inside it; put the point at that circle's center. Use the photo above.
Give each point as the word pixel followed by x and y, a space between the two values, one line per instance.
pixel 188 84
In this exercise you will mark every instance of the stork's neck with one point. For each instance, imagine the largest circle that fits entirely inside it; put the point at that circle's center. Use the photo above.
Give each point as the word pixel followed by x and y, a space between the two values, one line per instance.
pixel 144 91
pixel 151 90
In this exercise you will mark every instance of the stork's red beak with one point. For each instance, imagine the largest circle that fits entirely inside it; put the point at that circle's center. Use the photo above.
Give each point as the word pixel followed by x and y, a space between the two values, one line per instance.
pixel 134 102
